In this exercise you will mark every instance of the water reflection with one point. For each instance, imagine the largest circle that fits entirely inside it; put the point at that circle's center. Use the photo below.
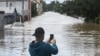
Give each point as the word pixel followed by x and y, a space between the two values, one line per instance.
pixel 85 39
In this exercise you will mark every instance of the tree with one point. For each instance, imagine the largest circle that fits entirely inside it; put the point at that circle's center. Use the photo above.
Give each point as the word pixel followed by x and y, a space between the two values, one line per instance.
pixel 34 9
pixel 87 8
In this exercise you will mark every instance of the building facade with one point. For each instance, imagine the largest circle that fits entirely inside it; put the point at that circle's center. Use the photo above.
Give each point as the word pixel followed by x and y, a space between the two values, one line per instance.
pixel 22 6
pixel 39 6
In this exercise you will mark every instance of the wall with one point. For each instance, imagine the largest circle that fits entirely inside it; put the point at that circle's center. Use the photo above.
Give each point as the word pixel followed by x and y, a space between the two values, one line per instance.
pixel 17 5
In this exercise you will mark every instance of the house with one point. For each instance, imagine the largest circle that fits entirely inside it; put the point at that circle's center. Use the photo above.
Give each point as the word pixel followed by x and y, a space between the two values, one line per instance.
pixel 39 6
pixel 22 7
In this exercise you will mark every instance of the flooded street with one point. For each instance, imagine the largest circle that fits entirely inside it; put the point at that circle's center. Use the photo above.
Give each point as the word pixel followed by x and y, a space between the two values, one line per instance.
pixel 73 36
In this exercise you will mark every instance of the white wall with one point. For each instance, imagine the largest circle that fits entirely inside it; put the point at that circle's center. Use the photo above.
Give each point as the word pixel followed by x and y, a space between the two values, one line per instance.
pixel 2 4
pixel 17 5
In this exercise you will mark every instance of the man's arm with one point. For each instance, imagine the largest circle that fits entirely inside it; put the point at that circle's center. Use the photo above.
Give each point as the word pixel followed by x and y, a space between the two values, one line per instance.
pixel 53 47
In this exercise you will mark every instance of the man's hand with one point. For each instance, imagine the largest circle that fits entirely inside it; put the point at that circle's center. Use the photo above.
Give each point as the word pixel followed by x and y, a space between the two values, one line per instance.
pixel 53 41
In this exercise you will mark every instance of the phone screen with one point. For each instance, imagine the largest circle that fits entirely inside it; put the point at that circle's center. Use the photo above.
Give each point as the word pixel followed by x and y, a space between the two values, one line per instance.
pixel 51 36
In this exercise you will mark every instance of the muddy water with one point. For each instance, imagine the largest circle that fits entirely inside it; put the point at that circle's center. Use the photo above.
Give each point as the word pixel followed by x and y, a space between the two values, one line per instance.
pixel 73 36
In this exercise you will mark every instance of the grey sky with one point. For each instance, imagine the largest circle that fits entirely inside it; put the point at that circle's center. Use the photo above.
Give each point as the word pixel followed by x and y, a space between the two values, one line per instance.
pixel 48 1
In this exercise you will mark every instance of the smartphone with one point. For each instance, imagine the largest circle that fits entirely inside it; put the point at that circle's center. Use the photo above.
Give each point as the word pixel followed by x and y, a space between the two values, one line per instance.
pixel 51 36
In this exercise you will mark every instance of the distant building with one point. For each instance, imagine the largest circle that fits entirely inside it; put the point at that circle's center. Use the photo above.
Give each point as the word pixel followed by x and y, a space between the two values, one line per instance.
pixel 39 6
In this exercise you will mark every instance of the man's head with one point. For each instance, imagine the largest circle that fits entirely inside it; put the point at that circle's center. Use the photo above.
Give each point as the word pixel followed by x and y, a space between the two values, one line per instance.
pixel 39 33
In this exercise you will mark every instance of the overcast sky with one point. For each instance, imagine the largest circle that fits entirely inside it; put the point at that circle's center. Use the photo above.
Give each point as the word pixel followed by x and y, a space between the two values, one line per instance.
pixel 48 1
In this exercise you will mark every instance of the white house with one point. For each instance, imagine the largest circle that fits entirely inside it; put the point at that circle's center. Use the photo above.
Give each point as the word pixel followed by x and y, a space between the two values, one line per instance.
pixel 22 6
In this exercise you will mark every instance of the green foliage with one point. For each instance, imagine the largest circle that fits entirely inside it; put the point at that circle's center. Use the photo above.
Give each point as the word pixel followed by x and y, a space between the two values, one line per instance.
pixel 53 6
pixel 86 8
pixel 97 20
pixel 90 9
pixel 45 6
pixel 33 9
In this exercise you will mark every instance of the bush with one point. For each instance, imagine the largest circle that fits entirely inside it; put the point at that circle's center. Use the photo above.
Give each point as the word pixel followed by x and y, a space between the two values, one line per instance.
pixel 97 20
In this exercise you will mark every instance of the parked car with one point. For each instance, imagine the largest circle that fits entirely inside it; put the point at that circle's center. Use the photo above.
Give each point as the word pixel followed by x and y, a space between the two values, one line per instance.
pixel 17 26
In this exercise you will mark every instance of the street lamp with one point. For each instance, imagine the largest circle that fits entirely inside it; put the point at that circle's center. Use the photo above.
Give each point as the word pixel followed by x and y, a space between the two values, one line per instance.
pixel 29 4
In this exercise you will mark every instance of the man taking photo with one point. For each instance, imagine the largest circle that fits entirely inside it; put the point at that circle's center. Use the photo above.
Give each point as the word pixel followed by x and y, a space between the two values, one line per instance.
pixel 39 48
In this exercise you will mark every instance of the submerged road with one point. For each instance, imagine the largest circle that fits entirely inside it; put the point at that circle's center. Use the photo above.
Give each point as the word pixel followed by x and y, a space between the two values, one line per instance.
pixel 73 36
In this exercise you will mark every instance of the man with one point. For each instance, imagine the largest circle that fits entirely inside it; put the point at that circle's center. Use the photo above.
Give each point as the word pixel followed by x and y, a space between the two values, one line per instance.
pixel 40 48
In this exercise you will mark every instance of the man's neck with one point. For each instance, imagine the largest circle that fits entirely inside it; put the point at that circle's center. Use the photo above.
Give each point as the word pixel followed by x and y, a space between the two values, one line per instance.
pixel 36 41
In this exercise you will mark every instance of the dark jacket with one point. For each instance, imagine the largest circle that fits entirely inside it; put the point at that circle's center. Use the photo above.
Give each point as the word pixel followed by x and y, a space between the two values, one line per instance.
pixel 42 49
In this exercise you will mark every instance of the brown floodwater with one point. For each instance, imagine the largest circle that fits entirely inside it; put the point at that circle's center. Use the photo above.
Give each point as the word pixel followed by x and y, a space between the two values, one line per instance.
pixel 73 36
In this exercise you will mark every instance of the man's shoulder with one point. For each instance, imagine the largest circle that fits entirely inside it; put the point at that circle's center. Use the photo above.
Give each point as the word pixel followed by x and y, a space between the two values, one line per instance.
pixel 46 44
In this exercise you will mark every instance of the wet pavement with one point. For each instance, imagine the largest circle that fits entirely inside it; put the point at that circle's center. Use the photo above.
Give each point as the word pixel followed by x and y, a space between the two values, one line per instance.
pixel 73 36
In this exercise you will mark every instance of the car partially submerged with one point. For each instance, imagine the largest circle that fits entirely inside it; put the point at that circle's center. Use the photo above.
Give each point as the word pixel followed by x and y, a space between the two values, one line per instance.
pixel 17 26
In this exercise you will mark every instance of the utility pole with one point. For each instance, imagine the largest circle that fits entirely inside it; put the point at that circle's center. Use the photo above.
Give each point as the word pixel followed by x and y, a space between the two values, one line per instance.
pixel 65 1
pixel 1 25
pixel 6 3
pixel 55 5
pixel 29 5
pixel 23 10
